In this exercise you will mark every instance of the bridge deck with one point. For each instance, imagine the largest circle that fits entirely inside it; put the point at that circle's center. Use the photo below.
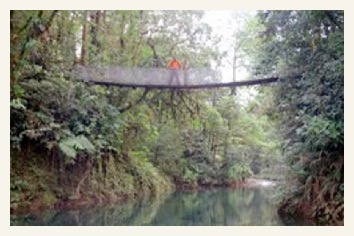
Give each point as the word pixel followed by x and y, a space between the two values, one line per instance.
pixel 159 78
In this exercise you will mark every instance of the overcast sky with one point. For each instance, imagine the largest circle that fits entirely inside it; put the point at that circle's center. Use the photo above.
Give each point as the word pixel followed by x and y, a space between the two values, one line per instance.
pixel 225 23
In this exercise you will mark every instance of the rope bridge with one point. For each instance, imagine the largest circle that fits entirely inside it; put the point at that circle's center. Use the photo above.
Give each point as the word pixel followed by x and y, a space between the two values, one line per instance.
pixel 159 78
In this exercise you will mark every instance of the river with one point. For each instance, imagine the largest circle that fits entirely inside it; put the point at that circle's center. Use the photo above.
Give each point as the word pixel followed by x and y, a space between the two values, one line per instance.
pixel 223 207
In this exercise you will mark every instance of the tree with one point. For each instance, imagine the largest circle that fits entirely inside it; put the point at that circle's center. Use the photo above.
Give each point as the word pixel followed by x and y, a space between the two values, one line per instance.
pixel 305 48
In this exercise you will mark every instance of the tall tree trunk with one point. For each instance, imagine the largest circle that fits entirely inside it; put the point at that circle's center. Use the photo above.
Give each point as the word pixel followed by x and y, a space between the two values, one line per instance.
pixel 96 19
pixel 226 143
pixel 11 20
pixel 12 55
pixel 121 39
pixel 104 16
pixel 234 66
pixel 84 40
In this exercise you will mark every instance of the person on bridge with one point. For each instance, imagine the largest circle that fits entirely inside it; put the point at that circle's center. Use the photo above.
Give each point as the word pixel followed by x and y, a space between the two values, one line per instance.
pixel 174 66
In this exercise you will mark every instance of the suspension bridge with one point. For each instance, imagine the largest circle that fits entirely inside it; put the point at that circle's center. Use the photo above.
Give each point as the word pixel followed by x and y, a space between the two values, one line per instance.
pixel 159 78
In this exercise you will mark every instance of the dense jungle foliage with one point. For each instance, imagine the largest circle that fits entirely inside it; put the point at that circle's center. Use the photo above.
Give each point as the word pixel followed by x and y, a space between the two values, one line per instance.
pixel 77 143
pixel 306 50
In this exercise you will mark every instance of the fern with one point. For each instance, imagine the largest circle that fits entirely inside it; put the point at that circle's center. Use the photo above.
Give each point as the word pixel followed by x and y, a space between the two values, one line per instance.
pixel 68 148
pixel 71 145
pixel 85 144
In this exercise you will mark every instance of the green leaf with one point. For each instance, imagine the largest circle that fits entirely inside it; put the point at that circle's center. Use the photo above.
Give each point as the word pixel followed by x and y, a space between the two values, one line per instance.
pixel 18 103
pixel 85 144
pixel 70 146
pixel 30 44
pixel 67 148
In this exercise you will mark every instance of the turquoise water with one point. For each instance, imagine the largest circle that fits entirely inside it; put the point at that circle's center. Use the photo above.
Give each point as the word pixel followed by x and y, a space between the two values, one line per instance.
pixel 224 207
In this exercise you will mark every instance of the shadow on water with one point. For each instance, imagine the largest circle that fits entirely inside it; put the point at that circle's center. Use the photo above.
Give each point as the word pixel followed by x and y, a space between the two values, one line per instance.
pixel 214 207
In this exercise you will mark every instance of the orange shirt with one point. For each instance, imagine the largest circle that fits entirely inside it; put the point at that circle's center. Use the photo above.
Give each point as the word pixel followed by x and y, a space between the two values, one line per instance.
pixel 174 64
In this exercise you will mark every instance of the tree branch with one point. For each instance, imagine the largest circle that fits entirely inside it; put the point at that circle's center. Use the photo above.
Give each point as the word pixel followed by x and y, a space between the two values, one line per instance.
pixel 130 105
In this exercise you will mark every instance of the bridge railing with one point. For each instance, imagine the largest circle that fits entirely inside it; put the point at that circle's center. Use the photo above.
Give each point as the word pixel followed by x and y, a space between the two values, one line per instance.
pixel 145 76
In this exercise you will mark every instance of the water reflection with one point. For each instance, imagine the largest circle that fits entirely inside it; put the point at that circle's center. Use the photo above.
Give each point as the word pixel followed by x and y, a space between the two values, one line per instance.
pixel 215 207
